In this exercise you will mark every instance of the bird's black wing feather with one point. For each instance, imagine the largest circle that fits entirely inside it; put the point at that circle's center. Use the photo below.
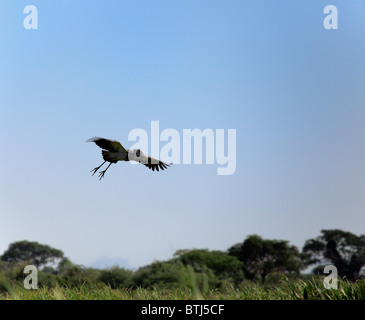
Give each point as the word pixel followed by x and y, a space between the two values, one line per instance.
pixel 156 164
pixel 110 145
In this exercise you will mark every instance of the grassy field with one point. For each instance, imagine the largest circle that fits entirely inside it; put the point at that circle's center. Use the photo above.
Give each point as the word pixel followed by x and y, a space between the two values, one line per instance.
pixel 285 290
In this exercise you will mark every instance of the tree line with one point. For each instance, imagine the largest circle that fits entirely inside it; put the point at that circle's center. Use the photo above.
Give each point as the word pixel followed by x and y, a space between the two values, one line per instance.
pixel 255 259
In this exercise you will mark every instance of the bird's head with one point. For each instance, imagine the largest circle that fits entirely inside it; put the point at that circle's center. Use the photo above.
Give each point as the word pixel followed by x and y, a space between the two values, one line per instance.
pixel 136 155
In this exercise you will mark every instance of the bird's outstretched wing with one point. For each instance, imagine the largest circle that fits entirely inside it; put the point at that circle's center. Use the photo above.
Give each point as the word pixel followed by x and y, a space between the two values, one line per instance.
pixel 110 145
pixel 155 164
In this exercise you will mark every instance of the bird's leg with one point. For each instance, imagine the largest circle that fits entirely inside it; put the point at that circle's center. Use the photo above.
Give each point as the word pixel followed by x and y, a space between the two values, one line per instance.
pixel 97 168
pixel 101 175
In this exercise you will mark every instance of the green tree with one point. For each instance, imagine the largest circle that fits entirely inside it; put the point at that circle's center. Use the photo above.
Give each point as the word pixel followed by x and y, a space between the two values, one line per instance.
pixel 72 274
pixel 344 250
pixel 174 274
pixel 223 265
pixel 117 277
pixel 158 274
pixel 260 257
pixel 32 252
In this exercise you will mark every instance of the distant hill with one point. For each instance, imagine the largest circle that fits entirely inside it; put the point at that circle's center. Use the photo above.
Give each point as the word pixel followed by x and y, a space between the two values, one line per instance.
pixel 106 262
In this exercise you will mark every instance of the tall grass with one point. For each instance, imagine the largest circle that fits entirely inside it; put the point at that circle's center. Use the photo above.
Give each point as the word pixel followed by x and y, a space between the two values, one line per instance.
pixel 285 290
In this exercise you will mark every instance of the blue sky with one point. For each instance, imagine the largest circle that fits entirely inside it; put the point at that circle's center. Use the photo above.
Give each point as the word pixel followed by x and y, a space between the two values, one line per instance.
pixel 293 91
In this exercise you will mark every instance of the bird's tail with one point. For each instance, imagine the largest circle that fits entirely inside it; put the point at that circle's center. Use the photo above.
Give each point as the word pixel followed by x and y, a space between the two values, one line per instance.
pixel 108 156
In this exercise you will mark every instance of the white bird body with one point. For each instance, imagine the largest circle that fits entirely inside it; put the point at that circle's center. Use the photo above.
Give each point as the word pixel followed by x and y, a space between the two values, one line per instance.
pixel 113 152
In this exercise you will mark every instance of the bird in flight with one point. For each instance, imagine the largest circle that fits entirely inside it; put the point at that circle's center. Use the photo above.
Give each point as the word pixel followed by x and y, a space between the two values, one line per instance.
pixel 113 152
